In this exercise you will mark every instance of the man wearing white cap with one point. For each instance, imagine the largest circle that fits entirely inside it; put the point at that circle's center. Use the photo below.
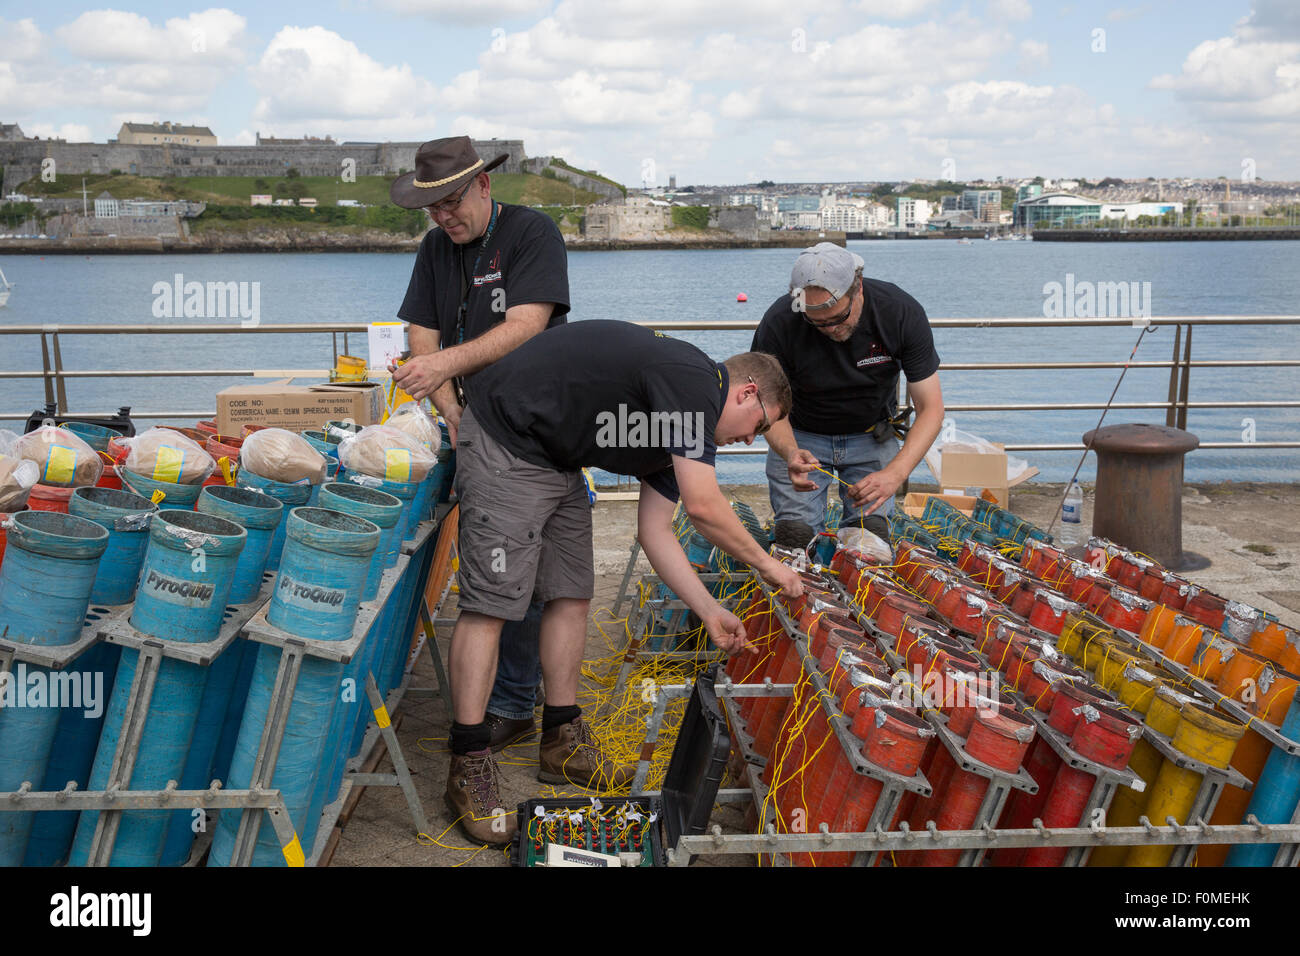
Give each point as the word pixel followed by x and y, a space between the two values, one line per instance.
pixel 842 341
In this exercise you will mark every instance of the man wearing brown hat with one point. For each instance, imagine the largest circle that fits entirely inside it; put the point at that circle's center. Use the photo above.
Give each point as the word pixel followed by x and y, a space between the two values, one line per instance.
pixel 493 276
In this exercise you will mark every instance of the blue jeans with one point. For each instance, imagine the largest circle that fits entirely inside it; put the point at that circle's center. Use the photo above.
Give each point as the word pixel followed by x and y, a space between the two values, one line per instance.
pixel 519 667
pixel 850 457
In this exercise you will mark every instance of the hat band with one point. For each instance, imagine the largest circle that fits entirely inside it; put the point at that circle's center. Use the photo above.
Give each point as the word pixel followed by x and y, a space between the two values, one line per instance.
pixel 448 179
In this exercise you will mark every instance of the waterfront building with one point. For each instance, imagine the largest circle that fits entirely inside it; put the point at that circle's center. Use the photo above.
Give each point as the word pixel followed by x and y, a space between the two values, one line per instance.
pixel 912 213
pixel 106 207
pixel 1056 210
pixel 157 134
pixel 1132 211
pixel 983 204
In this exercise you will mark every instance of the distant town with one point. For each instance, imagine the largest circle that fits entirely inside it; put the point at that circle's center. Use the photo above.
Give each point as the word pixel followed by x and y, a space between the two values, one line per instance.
pixel 56 190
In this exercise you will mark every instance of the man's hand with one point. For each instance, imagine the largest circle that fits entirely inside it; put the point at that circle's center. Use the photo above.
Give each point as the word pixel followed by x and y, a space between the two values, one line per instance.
pixel 782 576
pixel 875 489
pixel 800 463
pixel 727 632
pixel 421 375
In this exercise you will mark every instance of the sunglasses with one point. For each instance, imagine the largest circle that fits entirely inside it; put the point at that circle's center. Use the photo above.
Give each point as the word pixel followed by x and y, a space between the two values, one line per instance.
pixel 767 422
pixel 838 319
pixel 447 205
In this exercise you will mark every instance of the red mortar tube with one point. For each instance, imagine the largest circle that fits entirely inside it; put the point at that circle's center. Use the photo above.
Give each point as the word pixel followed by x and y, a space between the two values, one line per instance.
pixel 999 740
pixel 896 741
pixel 1103 735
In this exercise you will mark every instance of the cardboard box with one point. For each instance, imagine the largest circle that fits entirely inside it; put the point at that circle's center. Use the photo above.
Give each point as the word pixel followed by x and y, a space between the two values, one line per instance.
pixel 914 503
pixel 297 407
pixel 964 471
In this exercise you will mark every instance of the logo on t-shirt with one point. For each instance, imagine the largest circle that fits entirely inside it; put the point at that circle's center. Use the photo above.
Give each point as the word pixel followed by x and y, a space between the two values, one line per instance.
pixel 875 356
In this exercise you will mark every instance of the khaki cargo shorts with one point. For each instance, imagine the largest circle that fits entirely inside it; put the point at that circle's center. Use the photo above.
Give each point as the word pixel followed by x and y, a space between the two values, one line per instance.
pixel 524 529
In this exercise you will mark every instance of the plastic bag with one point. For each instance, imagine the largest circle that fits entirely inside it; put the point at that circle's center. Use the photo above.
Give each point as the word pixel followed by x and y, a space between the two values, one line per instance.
pixel 279 455
pixel 63 459
pixel 417 423
pixel 965 442
pixel 17 476
pixel 166 455
pixel 389 453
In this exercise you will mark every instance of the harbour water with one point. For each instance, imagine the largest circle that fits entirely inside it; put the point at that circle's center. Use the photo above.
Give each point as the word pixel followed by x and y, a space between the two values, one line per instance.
pixel 979 280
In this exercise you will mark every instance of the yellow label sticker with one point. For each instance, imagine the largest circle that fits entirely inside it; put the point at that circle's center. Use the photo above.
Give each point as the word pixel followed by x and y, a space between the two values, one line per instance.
pixel 167 466
pixel 158 495
pixel 381 717
pixel 397 464
pixel 61 466
pixel 226 472
pixel 293 855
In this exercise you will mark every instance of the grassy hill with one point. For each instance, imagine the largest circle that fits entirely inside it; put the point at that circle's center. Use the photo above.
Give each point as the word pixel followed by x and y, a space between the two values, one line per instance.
pixel 521 188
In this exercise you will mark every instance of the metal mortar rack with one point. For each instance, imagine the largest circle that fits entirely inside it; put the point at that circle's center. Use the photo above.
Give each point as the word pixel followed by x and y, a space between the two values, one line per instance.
pixel 1214 778
pixel 112 625
pixel 293 649
pixel 1000 784
pixel 1108 779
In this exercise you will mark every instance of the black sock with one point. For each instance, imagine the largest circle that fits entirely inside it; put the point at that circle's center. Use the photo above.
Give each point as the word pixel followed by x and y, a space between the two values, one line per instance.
pixel 554 716
pixel 466 738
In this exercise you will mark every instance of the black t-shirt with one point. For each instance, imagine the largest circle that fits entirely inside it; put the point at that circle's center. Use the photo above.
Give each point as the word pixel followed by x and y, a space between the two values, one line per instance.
pixel 524 262
pixel 840 388
pixel 604 394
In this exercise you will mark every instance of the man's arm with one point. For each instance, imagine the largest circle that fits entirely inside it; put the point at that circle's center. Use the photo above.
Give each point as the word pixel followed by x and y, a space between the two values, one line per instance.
pixel 424 341
pixel 654 532
pixel 713 518
pixel 877 488
pixel 425 374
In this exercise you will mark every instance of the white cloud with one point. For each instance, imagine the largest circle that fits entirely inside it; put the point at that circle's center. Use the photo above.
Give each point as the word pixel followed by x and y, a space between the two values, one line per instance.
pixel 1033 56
pixel 118 36
pixel 312 77
pixel 21 40
pixel 1010 9
pixel 457 11
pixel 893 9
pixel 119 63
pixel 72 132
pixel 1271 20
pixel 1239 80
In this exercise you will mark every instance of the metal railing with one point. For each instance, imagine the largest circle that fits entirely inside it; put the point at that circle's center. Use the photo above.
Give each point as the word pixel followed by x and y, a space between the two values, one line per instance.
pixel 54 375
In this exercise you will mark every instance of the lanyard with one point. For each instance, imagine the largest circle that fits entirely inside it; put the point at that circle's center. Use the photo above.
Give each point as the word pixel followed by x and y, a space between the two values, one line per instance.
pixel 462 313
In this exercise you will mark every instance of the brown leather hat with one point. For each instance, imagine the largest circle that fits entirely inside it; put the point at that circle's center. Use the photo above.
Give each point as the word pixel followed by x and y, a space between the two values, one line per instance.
pixel 442 166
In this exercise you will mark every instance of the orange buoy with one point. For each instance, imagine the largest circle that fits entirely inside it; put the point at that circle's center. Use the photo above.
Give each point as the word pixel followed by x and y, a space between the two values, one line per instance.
pixel 742 297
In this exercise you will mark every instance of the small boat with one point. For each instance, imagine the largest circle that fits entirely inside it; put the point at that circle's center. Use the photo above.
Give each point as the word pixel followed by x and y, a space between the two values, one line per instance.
pixel 964 242
pixel 5 286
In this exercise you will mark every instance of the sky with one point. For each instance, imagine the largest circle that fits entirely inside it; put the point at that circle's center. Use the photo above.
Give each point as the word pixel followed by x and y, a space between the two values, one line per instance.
pixel 722 93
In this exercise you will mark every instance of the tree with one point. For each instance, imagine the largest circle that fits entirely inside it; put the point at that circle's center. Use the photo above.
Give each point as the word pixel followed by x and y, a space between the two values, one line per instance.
pixel 261 185
pixel 766 184
pixel 296 189
pixel 291 173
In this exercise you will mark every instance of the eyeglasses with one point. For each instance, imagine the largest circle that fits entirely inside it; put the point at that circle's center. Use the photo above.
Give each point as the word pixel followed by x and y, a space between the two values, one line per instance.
pixel 767 422
pixel 448 205
pixel 838 319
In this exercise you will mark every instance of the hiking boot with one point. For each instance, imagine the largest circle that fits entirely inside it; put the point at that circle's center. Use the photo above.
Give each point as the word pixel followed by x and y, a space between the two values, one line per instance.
pixel 570 753
pixel 474 795
pixel 506 730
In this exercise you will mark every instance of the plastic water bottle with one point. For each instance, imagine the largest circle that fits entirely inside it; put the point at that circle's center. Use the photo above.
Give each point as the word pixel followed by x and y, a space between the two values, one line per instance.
pixel 1071 516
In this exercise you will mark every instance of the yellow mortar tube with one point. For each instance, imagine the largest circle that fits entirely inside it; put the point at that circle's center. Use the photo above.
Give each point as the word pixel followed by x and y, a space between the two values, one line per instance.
pixel 1202 735
pixel 1163 703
